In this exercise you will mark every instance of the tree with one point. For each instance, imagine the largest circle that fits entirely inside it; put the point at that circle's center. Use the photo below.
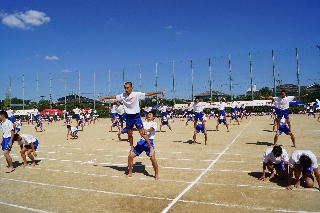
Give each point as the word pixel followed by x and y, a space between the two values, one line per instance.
pixel 265 91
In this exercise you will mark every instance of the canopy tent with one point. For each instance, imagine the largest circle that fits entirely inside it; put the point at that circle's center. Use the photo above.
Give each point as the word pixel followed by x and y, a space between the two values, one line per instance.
pixel 51 111
pixel 296 102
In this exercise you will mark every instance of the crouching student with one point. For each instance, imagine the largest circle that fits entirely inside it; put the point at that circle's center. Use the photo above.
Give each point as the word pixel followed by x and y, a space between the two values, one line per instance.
pixel 275 158
pixel 29 145
pixel 72 131
pixel 305 162
pixel 143 145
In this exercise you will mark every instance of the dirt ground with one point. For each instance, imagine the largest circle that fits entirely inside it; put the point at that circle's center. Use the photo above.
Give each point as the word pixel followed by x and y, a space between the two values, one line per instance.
pixel 88 174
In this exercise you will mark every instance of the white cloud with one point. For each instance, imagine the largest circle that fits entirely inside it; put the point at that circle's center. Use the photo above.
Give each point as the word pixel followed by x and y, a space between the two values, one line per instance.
pixel 179 32
pixel 25 20
pixel 169 27
pixel 51 57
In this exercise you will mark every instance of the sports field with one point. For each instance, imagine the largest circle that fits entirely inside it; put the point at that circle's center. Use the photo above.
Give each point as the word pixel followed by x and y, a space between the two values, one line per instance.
pixel 88 174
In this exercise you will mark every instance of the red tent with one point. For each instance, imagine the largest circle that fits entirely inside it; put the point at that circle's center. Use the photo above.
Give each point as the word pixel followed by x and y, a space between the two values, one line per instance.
pixel 51 111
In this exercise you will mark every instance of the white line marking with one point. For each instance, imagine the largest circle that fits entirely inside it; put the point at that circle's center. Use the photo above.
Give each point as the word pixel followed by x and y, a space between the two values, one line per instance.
pixel 23 207
pixel 204 172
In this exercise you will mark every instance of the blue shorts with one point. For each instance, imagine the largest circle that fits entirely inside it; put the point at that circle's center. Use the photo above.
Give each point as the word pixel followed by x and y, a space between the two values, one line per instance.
pixel 190 119
pixel 79 123
pixel 279 166
pixel 283 113
pixel 75 132
pixel 124 130
pixel 222 121
pixel 77 116
pixel 233 109
pixel 284 129
pixel 36 117
pixel 39 125
pixel 164 114
pixel 308 170
pixel 35 145
pixel 142 146
pixel 233 117
pixel 5 143
pixel 311 113
pixel 189 112
pixel 221 113
pixel 163 123
pixel 199 128
pixel 115 124
pixel 198 116
pixel 17 130
pixel 11 119
pixel 113 115
pixel 133 120
pixel 122 117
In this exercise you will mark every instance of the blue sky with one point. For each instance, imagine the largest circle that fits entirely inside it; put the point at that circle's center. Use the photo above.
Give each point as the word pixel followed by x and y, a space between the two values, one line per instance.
pixel 42 37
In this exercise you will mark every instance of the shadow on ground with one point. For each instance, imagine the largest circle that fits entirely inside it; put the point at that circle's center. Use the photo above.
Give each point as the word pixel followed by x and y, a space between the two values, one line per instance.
pixel 138 167
pixel 261 143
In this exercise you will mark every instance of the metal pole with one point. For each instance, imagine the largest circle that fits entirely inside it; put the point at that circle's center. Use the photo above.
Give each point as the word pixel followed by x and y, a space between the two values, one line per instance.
pixel 94 90
pixel 37 84
pixel 10 90
pixel 140 78
pixel 50 91
pixel 23 92
pixel 79 92
pixel 298 72
pixel 123 75
pixel 230 73
pixel 108 82
pixel 274 75
pixel 173 85
pixel 251 82
pixel 157 82
pixel 192 94
pixel 210 76
pixel 65 91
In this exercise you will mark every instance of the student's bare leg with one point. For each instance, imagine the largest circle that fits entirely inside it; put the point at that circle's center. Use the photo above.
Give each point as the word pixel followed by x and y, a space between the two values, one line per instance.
pixel 205 138
pixel 275 139
pixel 288 122
pixel 155 167
pixel 217 127
pixel 194 137
pixel 270 168
pixel 6 154
pixel 23 155
pixel 293 139
pixel 297 173
pixel 170 127
pixel 227 125
pixel 130 163
pixel 308 179
pixel 30 155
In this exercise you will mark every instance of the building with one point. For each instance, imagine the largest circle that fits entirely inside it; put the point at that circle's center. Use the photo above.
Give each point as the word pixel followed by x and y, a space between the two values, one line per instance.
pixel 254 89
pixel 312 88
pixel 291 89
pixel 215 95
pixel 75 99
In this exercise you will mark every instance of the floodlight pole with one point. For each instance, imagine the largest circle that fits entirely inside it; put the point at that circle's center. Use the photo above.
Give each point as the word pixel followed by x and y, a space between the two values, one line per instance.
pixel 65 92
pixel 94 90
pixel 230 74
pixel 173 85
pixel 157 83
pixel 192 81
pixel 210 77
pixel 251 82
pixel 108 82
pixel 37 89
pixel 298 72
pixel 274 75
pixel 50 91
pixel 79 91
pixel 10 90
pixel 23 92
pixel 140 78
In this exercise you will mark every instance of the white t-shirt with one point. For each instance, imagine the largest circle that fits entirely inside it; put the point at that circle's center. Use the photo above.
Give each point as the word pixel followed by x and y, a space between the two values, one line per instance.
pixel 76 111
pixel 6 127
pixel 295 158
pixel 190 107
pixel 73 129
pixel 163 108
pixel 113 109
pixel 148 125
pixel 283 103
pixel 268 156
pixel 204 118
pixel 221 106
pixel 35 112
pixel 120 110
pixel 198 107
pixel 10 113
pixel 233 105
pixel 26 139
pixel 131 102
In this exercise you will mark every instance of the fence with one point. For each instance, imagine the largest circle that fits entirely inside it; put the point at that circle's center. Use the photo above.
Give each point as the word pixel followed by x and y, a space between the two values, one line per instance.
pixel 230 74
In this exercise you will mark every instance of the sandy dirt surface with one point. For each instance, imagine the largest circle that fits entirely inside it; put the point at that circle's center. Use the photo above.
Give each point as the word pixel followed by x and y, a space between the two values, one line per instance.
pixel 88 174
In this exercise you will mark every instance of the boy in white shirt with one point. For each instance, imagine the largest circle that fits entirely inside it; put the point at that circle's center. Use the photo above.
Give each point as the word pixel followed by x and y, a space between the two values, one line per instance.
pixel 143 146
pixel 165 122
pixel 284 128
pixel 72 131
pixel 28 144
pixel 200 128
pixel 222 119
pixel 275 158
pixel 7 138
pixel 10 114
pixel 17 124
pixel 305 162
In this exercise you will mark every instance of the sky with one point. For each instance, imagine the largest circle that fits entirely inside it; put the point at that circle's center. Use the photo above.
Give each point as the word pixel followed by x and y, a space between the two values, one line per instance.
pixel 152 38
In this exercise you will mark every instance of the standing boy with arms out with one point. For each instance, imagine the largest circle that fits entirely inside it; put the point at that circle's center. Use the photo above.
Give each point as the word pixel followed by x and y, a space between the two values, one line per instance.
pixel 7 138
pixel 150 128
